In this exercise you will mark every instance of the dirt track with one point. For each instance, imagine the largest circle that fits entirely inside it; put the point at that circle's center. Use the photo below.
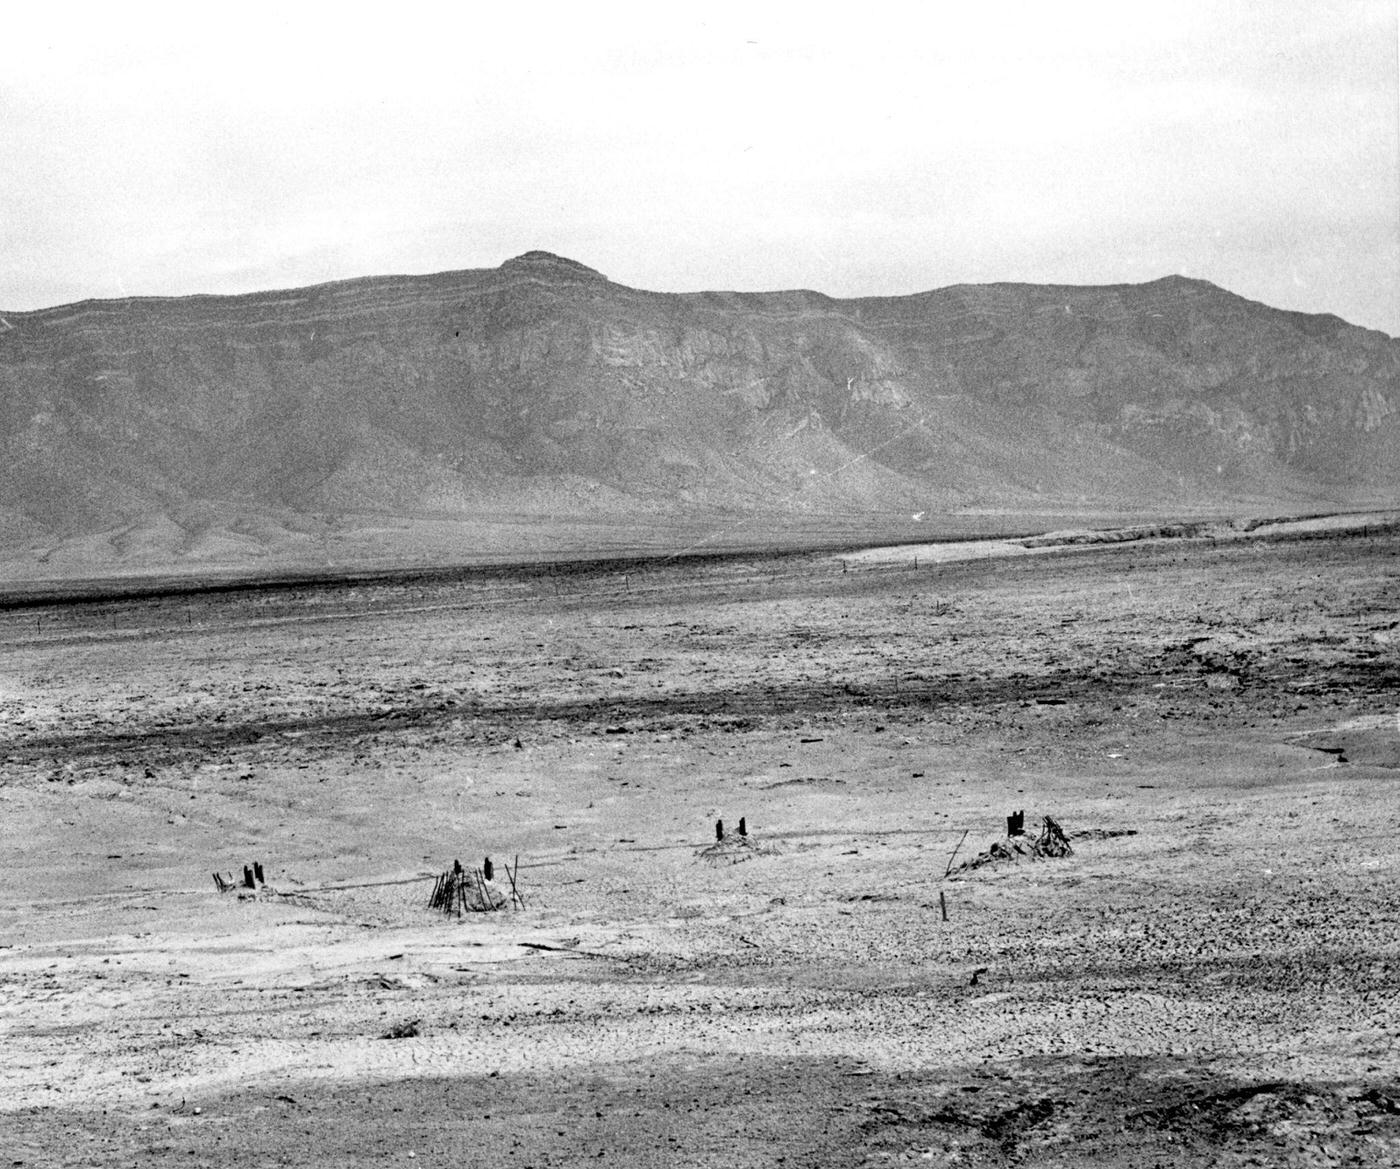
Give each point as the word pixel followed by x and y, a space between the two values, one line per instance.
pixel 1217 989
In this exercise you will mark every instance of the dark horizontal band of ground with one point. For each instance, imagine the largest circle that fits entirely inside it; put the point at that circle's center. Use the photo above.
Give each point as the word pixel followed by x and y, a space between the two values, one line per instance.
pixel 97 591
pixel 748 1110
pixel 756 701
pixel 51 594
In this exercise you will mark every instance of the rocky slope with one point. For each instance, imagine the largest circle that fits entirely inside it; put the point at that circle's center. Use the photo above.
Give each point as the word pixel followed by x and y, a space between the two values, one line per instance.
pixel 215 429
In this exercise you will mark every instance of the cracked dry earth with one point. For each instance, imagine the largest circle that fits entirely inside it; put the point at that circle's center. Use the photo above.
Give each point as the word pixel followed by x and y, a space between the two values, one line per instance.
pixel 1217 988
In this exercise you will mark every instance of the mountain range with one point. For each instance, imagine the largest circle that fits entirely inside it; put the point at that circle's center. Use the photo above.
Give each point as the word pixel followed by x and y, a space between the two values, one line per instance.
pixel 539 407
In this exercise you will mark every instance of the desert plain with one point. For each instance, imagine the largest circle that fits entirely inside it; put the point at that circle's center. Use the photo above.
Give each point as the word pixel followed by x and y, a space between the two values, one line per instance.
pixel 1211 978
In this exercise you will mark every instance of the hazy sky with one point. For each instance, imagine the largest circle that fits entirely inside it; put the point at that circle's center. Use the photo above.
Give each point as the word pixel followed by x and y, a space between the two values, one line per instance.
pixel 852 148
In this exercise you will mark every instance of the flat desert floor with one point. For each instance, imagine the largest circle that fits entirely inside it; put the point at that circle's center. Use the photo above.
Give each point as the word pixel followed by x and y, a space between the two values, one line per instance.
pixel 1211 978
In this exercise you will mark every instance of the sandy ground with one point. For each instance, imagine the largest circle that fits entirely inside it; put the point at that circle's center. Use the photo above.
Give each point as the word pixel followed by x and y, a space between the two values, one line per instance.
pixel 1210 979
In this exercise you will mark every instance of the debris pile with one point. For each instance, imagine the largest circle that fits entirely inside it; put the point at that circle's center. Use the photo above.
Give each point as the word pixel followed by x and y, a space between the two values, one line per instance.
pixel 1052 842
pixel 459 891
pixel 252 879
pixel 732 848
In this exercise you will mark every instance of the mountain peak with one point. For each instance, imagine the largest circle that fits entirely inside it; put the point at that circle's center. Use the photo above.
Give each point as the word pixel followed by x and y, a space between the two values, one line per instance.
pixel 547 262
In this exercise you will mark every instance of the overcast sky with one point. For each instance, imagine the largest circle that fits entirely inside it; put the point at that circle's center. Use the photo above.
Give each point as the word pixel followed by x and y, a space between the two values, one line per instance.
pixel 853 148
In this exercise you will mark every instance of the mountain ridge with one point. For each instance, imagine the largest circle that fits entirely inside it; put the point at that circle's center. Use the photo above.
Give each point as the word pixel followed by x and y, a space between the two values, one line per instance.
pixel 542 389
pixel 539 262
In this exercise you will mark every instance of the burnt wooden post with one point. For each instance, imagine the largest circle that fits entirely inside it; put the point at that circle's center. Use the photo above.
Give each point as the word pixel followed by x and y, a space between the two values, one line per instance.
pixel 949 867
pixel 514 890
pixel 248 882
pixel 486 868
pixel 743 827
pixel 1053 841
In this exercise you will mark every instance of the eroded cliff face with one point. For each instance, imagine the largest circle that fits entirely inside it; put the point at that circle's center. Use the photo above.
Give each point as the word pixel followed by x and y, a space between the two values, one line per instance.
pixel 541 387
